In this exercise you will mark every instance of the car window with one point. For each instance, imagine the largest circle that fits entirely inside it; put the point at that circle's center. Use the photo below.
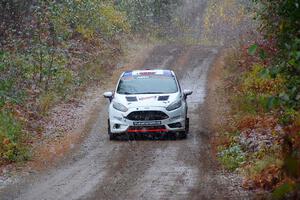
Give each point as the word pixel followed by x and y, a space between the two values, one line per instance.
pixel 149 84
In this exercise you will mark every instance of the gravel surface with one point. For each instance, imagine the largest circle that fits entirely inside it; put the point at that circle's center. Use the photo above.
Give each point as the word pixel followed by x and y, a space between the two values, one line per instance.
pixel 67 117
pixel 143 168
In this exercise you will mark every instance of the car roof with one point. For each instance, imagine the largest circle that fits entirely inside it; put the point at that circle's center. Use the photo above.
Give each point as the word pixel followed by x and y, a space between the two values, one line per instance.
pixel 165 72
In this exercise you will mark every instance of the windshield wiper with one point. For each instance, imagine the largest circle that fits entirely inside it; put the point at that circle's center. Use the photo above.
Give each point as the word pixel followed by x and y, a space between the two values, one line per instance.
pixel 126 93
pixel 151 93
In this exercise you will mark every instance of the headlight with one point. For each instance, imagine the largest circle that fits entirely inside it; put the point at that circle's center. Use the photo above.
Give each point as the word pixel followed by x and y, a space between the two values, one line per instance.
pixel 119 107
pixel 174 105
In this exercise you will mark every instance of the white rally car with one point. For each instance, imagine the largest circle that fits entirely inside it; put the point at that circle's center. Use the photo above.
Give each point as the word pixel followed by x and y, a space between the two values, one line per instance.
pixel 148 102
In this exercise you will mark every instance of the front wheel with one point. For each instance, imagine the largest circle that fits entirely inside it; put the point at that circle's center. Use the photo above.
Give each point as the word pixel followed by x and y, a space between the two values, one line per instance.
pixel 182 135
pixel 111 135
pixel 187 125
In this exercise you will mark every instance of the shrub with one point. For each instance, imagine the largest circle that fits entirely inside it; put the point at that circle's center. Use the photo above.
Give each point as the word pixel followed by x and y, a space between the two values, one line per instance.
pixel 260 164
pixel 260 81
pixel 88 18
pixel 11 147
pixel 46 100
pixel 283 190
pixel 232 157
pixel 289 116
pixel 262 89
pixel 15 152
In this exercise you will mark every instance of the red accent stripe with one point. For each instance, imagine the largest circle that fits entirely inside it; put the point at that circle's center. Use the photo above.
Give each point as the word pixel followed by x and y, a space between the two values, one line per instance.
pixel 147 130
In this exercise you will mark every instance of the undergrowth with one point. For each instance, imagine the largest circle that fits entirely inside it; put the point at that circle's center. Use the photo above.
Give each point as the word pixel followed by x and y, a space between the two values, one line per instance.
pixel 231 157
pixel 51 51
pixel 12 138
pixel 264 83
pixel 263 139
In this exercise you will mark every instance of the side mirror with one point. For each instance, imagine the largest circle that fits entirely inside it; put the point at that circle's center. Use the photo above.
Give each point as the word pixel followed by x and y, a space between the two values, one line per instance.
pixel 108 95
pixel 187 92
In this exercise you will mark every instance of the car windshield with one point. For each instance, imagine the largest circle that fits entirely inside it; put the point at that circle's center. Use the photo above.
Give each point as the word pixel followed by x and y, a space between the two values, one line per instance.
pixel 154 84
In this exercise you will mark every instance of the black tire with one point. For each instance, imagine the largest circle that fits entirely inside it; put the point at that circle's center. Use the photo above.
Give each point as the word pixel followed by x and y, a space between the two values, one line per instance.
pixel 112 137
pixel 187 125
pixel 182 135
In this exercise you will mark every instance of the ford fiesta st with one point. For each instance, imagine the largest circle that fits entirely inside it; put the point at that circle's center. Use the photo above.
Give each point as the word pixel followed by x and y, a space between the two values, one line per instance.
pixel 148 102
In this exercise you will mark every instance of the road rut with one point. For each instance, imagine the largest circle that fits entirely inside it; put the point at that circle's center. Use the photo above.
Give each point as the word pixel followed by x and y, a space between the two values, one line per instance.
pixel 143 168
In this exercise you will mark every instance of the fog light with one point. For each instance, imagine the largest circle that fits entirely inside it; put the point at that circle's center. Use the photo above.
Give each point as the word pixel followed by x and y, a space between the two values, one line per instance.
pixel 175 125
pixel 117 126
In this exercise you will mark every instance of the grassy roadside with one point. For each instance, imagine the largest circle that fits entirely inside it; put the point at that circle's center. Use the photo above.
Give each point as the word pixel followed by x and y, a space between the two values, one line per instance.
pixel 22 117
pixel 257 130
pixel 250 137
pixel 68 123
pixel 51 52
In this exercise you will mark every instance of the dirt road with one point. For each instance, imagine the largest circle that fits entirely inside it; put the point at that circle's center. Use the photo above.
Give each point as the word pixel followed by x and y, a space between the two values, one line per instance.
pixel 145 168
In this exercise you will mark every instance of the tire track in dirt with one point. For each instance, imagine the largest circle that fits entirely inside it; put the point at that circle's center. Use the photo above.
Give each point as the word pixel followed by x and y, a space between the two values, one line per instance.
pixel 170 169
pixel 147 169
pixel 137 156
pixel 172 176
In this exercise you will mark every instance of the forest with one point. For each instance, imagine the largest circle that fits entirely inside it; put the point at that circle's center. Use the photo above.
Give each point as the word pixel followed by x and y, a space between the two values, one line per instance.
pixel 264 135
pixel 51 51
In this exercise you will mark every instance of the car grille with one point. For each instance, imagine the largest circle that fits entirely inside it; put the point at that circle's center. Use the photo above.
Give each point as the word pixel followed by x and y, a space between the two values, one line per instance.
pixel 147 115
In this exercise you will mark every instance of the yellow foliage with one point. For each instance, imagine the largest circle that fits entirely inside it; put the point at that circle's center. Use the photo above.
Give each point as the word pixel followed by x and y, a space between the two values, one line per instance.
pixel 227 13
pixel 85 32
pixel 45 102
pixel 114 20
pixel 254 82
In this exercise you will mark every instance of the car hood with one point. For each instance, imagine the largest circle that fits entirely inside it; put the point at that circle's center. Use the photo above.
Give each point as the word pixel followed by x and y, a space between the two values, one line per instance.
pixel 146 100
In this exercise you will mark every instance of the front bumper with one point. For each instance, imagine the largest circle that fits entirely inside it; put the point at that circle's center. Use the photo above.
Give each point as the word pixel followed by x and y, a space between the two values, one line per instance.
pixel 120 124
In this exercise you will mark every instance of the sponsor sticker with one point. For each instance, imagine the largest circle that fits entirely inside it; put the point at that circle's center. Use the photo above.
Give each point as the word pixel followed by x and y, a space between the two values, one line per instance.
pixel 146 98
pixel 147 123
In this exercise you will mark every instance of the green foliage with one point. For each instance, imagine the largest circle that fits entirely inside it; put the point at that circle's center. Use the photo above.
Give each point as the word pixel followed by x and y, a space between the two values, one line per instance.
pixel 257 103
pixel 11 148
pixel 263 163
pixel 282 191
pixel 290 67
pixel 232 157
pixel 288 116
pixel 13 70
pixel 255 49
pixel 46 101
pixel 252 49
pixel 14 152
pixel 38 41
pixel 274 87
pixel 92 71
pixel 87 17
pixel 40 62
pixel 9 127
pixel 271 88
pixel 245 103
pixel 260 90
pixel 281 20
pixel 259 81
